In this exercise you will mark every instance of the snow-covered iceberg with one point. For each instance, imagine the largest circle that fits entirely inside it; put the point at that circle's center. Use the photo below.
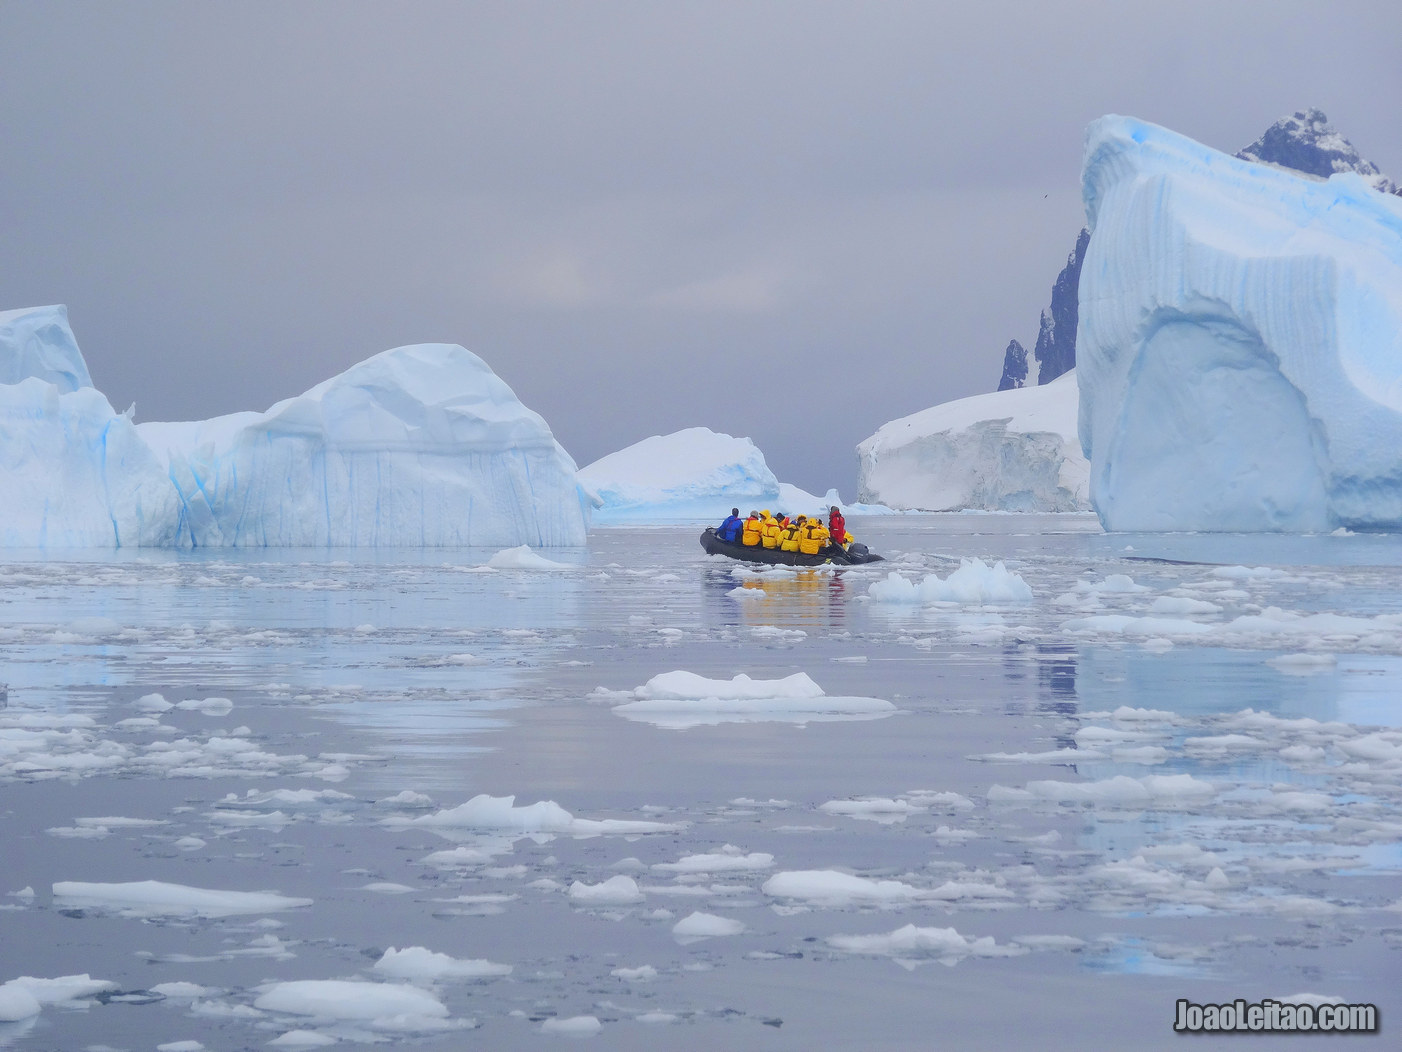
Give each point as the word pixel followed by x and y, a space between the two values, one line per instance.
pixel 1240 343
pixel 422 446
pixel 74 473
pixel 696 473
pixel 1014 450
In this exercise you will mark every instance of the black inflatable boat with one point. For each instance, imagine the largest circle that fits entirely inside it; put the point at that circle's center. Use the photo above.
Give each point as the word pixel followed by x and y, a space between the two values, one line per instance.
pixel 831 555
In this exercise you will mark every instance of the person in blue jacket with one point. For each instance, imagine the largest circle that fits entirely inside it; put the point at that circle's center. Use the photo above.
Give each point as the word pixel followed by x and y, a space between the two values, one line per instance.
pixel 731 527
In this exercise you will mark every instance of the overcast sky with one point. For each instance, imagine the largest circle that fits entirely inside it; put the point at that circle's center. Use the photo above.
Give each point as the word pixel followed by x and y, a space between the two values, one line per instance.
pixel 791 221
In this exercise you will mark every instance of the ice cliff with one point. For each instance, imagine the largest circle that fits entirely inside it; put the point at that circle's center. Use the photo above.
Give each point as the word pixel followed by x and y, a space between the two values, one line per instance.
pixel 1240 344
pixel 696 473
pixel 73 473
pixel 418 446
pixel 1013 450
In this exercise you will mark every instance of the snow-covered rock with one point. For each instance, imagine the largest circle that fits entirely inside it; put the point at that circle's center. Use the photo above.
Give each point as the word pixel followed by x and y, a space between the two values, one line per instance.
pixel 73 472
pixel 1014 450
pixel 421 445
pixel 1240 344
pixel 696 473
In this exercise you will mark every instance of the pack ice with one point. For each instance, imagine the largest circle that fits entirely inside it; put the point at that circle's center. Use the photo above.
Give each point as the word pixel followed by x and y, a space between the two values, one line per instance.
pixel 420 446
pixel 1240 343
pixel 1013 450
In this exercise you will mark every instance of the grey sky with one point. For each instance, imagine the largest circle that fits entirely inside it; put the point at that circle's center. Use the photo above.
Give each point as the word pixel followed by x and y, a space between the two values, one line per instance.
pixel 792 221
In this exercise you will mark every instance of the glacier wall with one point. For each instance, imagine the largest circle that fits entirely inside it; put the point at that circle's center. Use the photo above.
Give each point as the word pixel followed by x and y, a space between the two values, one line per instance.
pixel 419 446
pixel 1012 450
pixel 1240 344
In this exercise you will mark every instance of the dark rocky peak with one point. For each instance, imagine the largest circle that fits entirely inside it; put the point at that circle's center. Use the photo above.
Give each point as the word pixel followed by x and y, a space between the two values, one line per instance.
pixel 1056 339
pixel 1306 142
pixel 1014 367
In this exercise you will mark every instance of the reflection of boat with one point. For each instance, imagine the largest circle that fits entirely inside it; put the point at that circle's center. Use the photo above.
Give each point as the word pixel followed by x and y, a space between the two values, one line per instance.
pixel 854 554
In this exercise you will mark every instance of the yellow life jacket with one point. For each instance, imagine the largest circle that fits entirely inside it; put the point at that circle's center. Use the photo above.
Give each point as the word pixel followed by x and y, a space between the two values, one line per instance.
pixel 811 542
pixel 769 535
pixel 750 534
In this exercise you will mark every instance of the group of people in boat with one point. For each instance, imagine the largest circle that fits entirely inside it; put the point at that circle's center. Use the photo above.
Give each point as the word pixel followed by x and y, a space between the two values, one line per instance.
pixel 766 529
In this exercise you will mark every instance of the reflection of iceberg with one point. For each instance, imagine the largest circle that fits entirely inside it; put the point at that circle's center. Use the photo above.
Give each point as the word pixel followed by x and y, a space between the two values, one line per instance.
pixel 679 700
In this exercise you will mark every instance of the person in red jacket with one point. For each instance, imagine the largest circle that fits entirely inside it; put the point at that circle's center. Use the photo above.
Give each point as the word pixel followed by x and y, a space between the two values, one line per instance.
pixel 837 526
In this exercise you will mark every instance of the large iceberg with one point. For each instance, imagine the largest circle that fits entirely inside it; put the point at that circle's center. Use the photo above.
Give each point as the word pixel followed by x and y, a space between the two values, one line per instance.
pixel 74 473
pixel 422 446
pixel 696 473
pixel 1012 450
pixel 418 446
pixel 1240 344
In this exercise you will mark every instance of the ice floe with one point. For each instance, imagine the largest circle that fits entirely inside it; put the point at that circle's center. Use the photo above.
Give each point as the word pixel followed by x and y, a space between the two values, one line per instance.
pixel 155 898
pixel 500 814
pixel 418 964
pixel 680 700
pixel 974 583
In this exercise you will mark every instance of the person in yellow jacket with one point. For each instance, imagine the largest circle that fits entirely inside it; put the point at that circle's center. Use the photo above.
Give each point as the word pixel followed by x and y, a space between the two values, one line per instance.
pixel 788 540
pixel 814 537
pixel 769 532
pixel 749 534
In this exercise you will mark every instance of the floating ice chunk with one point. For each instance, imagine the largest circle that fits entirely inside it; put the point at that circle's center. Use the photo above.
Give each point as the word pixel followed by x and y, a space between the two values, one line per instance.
pixel 574 1026
pixel 384 887
pixel 500 813
pixel 1177 604
pixel 302 1039
pixel 208 706
pixel 1121 791
pixel 406 799
pixel 705 926
pixel 181 989
pixel 620 890
pixel 416 963
pixel 829 887
pixel 17 1003
pixel 941 944
pixel 26 996
pixel 975 582
pixel 400 1006
pixel 658 1017
pixel 154 898
pixel 641 974
pixel 872 809
pixel 1050 942
pixel 729 859
pixel 152 703
pixel 680 700
pixel 522 558
pixel 1303 664
pixel 181 1046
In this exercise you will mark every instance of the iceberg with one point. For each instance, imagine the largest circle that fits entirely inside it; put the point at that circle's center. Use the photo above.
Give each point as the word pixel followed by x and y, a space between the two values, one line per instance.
pixel 696 473
pixel 1012 450
pixel 1240 345
pixel 74 473
pixel 421 445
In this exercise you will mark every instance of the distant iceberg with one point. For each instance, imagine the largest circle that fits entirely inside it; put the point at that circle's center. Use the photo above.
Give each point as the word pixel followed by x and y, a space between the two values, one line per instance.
pixel 696 475
pixel 1240 343
pixel 692 474
pixel 1013 450
pixel 420 446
